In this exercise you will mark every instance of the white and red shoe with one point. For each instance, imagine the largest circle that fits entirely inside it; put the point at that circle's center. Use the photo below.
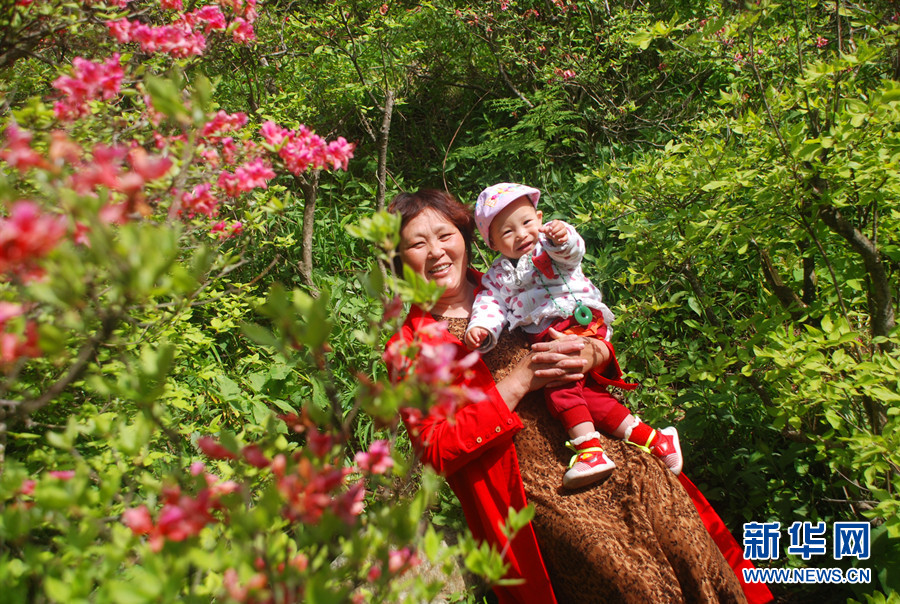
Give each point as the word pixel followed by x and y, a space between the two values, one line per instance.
pixel 589 464
pixel 668 449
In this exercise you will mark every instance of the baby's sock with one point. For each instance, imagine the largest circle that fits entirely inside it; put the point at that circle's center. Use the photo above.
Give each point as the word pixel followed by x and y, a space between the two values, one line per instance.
pixel 640 434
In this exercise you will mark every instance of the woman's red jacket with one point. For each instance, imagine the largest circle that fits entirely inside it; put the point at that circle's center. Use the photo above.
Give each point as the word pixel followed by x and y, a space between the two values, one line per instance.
pixel 474 451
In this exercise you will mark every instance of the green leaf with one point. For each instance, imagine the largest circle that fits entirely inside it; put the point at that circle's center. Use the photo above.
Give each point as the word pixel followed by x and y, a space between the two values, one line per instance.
pixel 695 306
pixel 890 95
pixel 166 98
pixel 57 590
pixel 641 40
pixel 715 184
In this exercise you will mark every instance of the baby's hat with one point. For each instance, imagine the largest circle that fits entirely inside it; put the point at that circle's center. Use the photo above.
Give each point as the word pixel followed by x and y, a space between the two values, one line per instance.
pixel 496 197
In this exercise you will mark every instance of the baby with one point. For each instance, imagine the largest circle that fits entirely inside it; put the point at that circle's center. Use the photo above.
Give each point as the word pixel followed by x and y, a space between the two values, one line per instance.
pixel 537 284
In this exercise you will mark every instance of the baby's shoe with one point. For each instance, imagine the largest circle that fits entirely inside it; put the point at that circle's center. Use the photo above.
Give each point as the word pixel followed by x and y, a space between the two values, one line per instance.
pixel 589 464
pixel 668 449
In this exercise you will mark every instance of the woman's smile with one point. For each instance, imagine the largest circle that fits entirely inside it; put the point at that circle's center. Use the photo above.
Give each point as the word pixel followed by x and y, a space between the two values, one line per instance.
pixel 434 248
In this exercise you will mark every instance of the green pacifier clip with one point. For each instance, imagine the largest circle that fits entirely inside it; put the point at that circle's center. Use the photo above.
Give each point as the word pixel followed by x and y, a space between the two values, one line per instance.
pixel 582 313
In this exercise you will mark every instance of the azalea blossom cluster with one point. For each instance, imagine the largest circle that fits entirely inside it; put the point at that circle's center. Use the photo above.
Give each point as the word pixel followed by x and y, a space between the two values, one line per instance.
pixel 308 489
pixel 89 81
pixel 257 589
pixel 29 485
pixel 295 150
pixel 117 168
pixel 181 516
pixel 13 345
pixel 399 561
pixel 27 235
pixel 310 485
pixel 436 368
pixel 186 36
pixel 302 148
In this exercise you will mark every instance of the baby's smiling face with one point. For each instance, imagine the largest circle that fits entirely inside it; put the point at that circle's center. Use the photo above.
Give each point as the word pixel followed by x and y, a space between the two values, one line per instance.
pixel 514 231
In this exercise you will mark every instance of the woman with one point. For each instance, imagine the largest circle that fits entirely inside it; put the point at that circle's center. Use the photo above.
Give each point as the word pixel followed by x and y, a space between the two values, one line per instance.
pixel 636 537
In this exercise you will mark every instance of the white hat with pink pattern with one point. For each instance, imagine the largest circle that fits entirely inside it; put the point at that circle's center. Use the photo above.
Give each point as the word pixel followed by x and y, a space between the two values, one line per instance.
pixel 496 197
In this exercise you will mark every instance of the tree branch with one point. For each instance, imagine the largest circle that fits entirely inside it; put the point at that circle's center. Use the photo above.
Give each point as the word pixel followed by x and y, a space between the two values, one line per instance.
pixel 883 321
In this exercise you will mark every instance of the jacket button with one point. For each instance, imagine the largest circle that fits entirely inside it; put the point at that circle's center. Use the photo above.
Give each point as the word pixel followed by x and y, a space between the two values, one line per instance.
pixel 497 429
pixel 509 420
pixel 478 440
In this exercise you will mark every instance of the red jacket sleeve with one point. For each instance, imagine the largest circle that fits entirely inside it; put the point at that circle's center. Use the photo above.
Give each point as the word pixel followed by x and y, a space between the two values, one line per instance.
pixel 449 443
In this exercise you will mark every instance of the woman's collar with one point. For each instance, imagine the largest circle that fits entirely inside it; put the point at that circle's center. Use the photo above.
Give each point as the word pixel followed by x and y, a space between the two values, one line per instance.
pixel 418 318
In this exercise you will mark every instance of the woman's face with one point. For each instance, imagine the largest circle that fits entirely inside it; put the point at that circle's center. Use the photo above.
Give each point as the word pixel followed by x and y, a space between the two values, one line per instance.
pixel 433 247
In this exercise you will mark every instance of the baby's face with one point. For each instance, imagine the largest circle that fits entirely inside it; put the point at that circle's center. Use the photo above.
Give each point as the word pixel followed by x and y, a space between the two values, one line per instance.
pixel 514 231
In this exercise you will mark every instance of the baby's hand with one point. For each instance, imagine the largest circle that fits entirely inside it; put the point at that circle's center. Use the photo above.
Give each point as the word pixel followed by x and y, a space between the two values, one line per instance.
pixel 475 337
pixel 556 231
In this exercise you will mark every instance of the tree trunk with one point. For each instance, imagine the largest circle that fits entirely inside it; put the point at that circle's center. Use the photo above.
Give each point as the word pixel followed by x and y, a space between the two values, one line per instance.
pixel 383 148
pixel 310 187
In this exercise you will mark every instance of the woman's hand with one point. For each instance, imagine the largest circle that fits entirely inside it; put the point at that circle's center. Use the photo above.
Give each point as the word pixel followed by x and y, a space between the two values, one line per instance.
pixel 595 352
pixel 564 359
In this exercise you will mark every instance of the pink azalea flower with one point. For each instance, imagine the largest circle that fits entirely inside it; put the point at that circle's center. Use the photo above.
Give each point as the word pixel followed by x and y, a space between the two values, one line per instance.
pixel 273 133
pixel 200 201
pixel 229 149
pixel 138 520
pixel 223 487
pixel 210 16
pixel 222 121
pixel 401 560
pixel 62 474
pixel 149 168
pixel 232 584
pixel 253 174
pixel 821 42
pixel 229 183
pixel 303 148
pixel 348 505
pixel 17 151
pixel 378 458
pixel 178 39
pixel 63 150
pixel 255 457
pixel 26 236
pixel 186 518
pixel 103 171
pixel 89 81
pixel 80 236
pixel 339 153
pixel 319 443
pixel 9 310
pixel 211 157
pixel 213 449
pixel 243 31
pixel 15 346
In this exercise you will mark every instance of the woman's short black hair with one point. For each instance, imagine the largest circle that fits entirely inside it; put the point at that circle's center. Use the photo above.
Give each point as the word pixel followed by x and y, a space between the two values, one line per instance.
pixel 410 205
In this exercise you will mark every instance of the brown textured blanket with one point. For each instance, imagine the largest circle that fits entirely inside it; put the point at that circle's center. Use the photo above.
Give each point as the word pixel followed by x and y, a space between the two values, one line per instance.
pixel 634 538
